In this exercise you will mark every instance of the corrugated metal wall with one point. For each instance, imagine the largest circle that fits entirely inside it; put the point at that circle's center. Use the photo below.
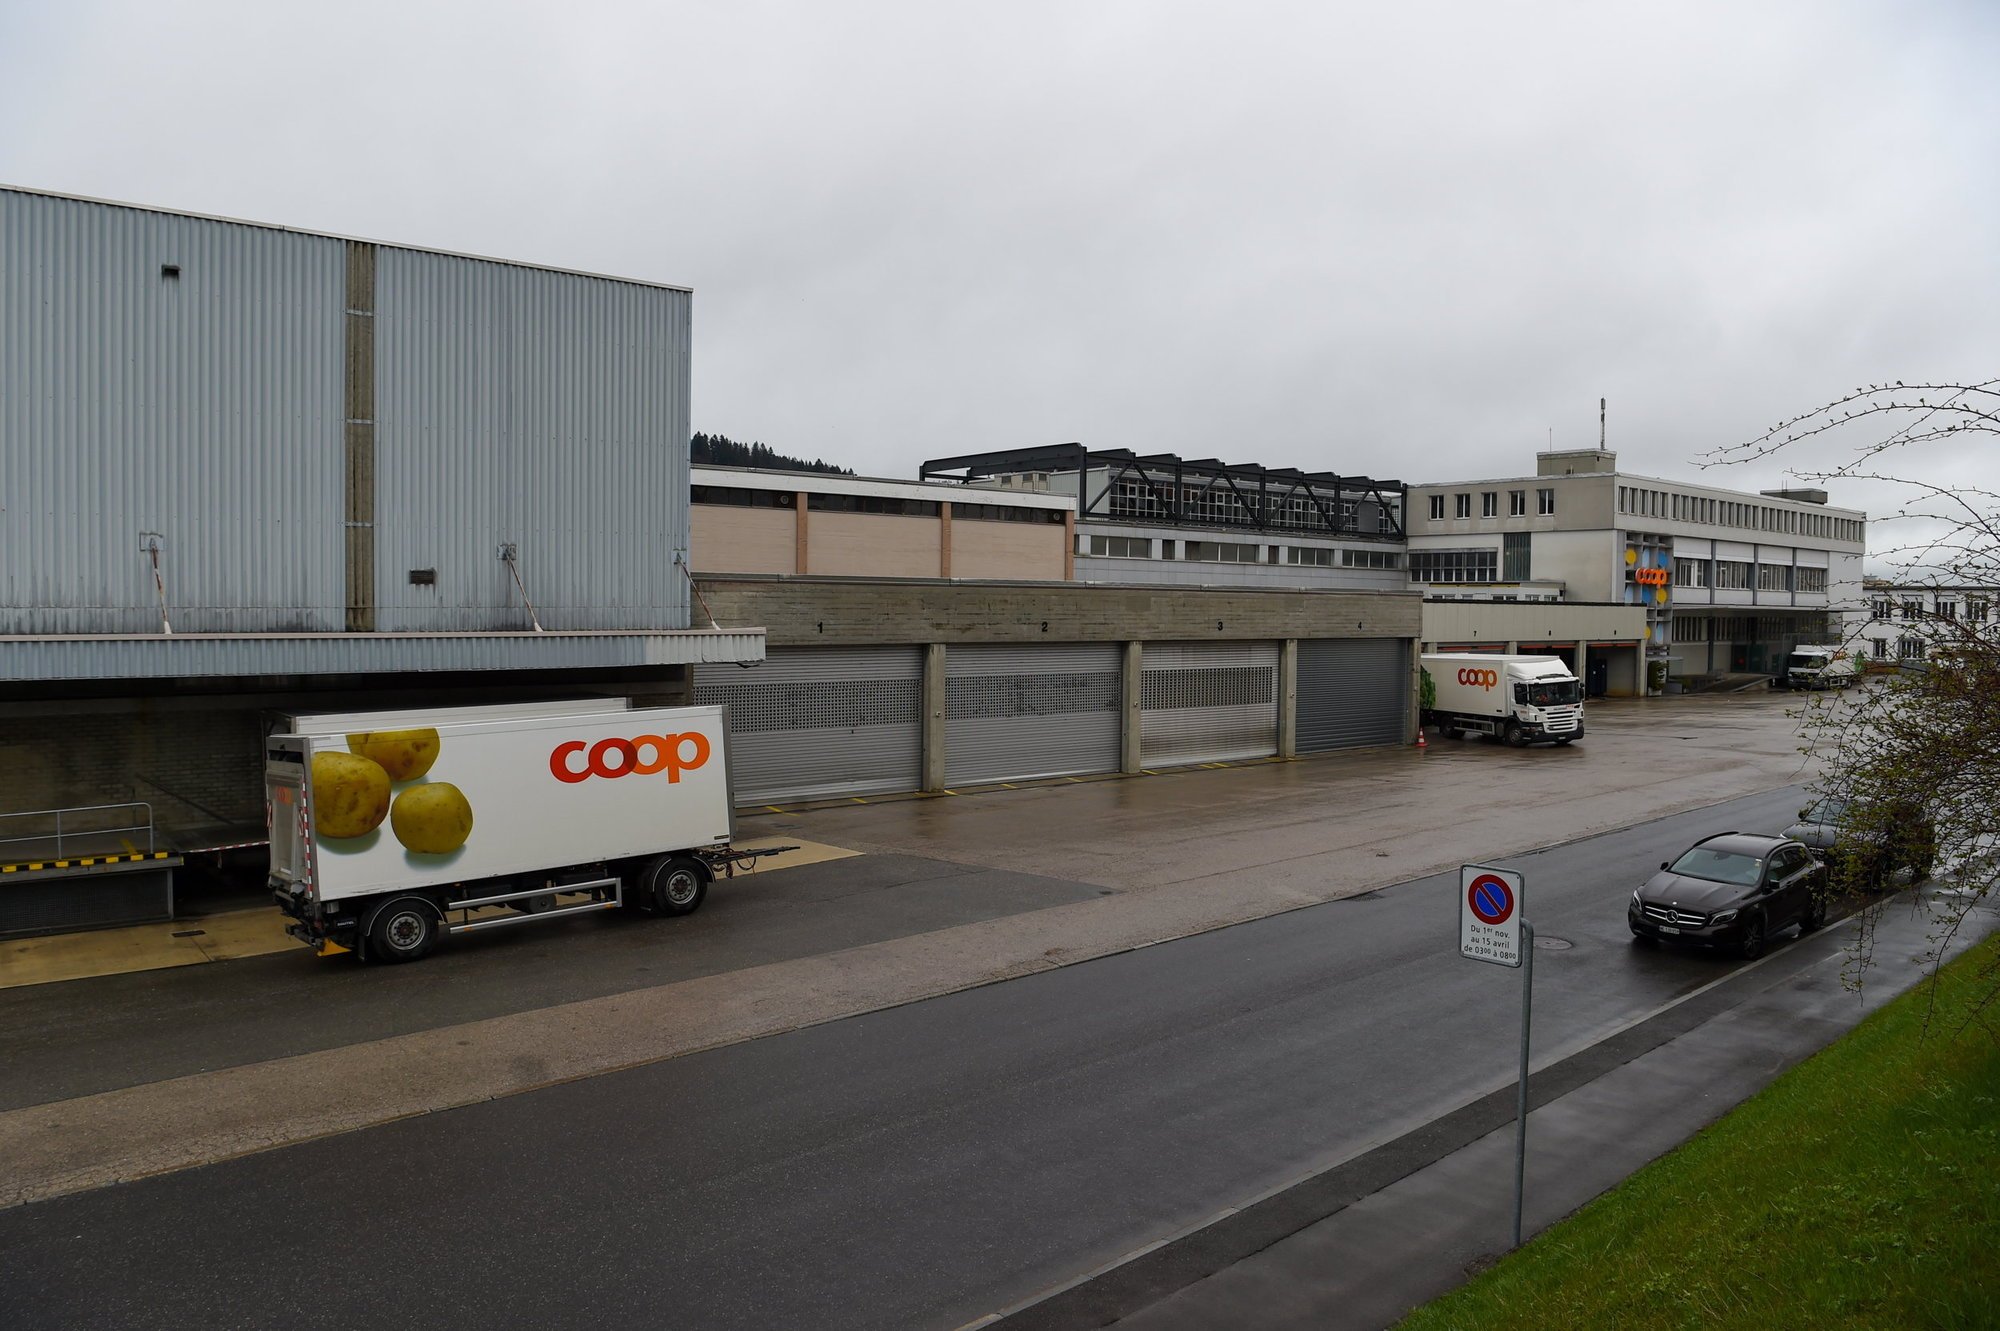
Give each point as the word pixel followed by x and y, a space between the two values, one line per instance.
pixel 1352 692
pixel 1020 712
pixel 1208 702
pixel 544 409
pixel 206 407
pixel 513 405
pixel 819 721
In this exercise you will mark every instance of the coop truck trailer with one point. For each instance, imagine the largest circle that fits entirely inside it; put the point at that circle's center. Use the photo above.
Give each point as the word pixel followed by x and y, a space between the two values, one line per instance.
pixel 392 830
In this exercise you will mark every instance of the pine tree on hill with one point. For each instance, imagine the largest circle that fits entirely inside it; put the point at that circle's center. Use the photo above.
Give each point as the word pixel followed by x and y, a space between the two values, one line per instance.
pixel 721 451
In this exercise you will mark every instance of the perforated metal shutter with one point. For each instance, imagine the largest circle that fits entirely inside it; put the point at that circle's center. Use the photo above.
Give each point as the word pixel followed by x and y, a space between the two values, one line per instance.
pixel 1208 702
pixel 819 721
pixel 1352 692
pixel 1017 712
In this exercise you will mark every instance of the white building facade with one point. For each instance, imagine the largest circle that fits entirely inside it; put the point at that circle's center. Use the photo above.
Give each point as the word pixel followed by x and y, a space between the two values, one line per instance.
pixel 1729 580
pixel 1906 623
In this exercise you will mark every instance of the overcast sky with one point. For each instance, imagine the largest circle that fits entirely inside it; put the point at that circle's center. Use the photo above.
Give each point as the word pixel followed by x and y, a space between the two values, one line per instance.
pixel 1403 239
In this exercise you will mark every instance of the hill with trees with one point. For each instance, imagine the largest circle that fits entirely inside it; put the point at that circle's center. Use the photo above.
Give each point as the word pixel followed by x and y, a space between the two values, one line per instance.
pixel 722 451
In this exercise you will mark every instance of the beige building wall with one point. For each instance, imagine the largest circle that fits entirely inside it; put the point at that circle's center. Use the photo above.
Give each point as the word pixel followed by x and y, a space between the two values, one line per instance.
pixel 726 538
pixel 1503 622
pixel 1022 551
pixel 870 545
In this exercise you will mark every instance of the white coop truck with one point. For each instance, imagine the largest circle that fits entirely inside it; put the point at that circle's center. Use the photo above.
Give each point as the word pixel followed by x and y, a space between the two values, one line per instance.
pixel 1520 699
pixel 392 829
pixel 1820 667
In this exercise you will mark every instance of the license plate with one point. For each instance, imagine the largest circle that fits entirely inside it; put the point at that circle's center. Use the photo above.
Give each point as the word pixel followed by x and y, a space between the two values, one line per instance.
pixel 1668 929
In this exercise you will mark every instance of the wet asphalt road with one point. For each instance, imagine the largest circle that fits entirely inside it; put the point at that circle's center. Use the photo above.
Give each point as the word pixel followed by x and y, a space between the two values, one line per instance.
pixel 913 1167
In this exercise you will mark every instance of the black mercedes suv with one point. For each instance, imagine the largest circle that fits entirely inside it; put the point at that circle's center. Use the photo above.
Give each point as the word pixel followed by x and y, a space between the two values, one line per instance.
pixel 1732 890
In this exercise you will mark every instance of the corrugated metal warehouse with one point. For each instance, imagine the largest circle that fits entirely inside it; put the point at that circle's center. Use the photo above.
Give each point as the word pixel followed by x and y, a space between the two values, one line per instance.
pixel 251 469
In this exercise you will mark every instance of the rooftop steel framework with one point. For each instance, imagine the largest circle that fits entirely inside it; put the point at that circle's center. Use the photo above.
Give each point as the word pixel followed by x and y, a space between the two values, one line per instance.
pixel 1164 489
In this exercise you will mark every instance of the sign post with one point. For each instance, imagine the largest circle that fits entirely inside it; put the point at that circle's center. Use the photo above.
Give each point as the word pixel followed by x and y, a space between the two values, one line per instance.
pixel 1492 928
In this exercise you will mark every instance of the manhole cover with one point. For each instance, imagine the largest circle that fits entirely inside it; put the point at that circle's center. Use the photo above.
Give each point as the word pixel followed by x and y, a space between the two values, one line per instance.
pixel 1553 944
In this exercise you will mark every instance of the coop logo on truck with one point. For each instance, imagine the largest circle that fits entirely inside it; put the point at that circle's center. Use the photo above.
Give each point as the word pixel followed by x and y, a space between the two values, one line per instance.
pixel 1485 679
pixel 641 755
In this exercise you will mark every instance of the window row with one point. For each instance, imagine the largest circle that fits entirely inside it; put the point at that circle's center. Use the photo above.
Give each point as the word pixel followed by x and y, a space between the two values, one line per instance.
pixel 1741 575
pixel 1976 609
pixel 1489 504
pixel 1455 565
pixel 1235 552
pixel 1645 502
pixel 1224 505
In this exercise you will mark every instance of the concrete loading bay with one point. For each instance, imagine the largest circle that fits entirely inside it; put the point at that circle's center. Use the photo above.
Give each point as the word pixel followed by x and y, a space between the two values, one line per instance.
pixel 946 894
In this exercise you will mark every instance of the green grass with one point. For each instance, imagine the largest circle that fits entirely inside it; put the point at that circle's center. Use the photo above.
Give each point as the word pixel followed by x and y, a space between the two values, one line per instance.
pixel 1860 1189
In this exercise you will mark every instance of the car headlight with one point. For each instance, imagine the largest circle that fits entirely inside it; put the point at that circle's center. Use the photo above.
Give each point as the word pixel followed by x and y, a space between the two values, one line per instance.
pixel 1723 917
pixel 1635 898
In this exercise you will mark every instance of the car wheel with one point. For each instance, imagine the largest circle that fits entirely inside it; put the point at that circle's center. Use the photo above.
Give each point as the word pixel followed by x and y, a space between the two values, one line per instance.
pixel 1515 736
pixel 1750 945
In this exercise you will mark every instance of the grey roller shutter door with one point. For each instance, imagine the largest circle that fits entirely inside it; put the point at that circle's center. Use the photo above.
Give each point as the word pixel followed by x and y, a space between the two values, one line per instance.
pixel 1020 712
pixel 1208 702
pixel 813 722
pixel 1352 692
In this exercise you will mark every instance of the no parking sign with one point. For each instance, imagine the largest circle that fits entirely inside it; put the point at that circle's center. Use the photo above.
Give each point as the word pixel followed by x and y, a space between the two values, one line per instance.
pixel 1489 916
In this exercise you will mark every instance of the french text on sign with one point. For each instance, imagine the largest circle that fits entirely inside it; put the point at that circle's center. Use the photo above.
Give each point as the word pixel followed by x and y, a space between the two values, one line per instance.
pixel 1489 914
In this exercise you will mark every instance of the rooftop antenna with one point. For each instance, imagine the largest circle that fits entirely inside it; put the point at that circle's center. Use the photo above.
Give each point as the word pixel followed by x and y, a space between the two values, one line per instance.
pixel 1600 425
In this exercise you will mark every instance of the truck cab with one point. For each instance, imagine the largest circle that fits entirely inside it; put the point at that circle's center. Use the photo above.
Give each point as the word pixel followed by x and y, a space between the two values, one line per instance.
pixel 1827 667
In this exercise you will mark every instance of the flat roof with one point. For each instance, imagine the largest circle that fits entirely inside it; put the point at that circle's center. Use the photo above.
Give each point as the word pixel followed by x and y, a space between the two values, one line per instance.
pixel 334 235
pixel 761 478
pixel 1803 505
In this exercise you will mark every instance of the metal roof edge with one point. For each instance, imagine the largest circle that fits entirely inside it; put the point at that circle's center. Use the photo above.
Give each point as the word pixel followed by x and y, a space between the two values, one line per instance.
pixel 6 188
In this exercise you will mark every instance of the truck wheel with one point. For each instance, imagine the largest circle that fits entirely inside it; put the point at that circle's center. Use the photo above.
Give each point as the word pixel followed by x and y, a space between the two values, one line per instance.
pixel 404 930
pixel 676 885
pixel 1515 736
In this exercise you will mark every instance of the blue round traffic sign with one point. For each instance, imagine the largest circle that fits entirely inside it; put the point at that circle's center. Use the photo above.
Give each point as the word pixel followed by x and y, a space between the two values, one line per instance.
pixel 1490 898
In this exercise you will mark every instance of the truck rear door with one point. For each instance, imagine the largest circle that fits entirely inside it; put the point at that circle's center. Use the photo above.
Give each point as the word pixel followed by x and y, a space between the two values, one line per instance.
pixel 285 808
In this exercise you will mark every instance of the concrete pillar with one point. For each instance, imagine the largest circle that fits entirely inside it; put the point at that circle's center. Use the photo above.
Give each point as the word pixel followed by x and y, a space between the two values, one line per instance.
pixel 1288 699
pixel 1132 700
pixel 1069 546
pixel 799 523
pixel 1413 723
pixel 944 540
pixel 934 716
pixel 358 460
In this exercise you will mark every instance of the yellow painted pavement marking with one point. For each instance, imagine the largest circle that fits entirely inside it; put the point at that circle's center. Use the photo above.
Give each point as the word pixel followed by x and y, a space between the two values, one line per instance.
pixel 808 852
pixel 142 947
pixel 245 933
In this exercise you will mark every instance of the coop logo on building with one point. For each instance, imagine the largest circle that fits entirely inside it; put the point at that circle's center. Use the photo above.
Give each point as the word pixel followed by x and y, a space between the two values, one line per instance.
pixel 641 755
pixel 1485 679
pixel 1650 577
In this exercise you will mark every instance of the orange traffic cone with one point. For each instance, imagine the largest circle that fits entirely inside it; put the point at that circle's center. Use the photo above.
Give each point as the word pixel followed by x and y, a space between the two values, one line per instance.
pixel 1422 743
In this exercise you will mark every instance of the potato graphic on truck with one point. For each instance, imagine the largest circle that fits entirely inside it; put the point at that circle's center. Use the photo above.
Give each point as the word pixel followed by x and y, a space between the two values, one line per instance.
pixel 404 754
pixel 432 819
pixel 350 794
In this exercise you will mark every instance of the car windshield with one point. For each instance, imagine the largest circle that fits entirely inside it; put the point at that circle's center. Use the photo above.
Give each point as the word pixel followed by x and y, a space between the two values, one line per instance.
pixel 1827 810
pixel 1807 660
pixel 1554 693
pixel 1719 866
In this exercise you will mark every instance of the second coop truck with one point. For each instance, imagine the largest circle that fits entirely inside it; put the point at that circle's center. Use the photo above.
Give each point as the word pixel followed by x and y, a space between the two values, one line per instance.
pixel 1520 699
pixel 390 831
